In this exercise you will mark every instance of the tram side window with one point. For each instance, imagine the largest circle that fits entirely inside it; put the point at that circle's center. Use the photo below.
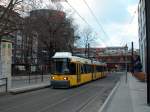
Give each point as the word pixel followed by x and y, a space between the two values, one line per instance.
pixel 85 68
pixel 99 68
pixel 82 69
pixel 102 69
pixel 72 68
pixel 88 68
pixel 105 69
pixel 92 69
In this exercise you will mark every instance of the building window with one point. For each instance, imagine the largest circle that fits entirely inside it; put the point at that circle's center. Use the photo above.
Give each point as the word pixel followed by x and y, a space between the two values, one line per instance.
pixel 9 46
pixel 4 46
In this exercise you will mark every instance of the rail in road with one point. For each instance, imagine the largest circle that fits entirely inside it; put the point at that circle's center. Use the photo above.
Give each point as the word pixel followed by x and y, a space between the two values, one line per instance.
pixel 85 98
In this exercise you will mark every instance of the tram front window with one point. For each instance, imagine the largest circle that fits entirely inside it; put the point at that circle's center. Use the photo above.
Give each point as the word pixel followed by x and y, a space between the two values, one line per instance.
pixel 61 66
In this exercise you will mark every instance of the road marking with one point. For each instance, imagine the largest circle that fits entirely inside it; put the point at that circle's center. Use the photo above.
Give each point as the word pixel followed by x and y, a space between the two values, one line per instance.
pixel 64 99
pixel 109 97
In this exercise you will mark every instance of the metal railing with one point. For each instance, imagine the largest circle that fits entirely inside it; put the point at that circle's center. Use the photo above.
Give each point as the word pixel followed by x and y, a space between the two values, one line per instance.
pixel 3 82
pixel 21 81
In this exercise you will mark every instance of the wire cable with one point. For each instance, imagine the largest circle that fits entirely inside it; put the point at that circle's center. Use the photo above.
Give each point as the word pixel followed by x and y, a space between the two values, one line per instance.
pixel 78 13
pixel 96 19
pixel 123 43
pixel 82 18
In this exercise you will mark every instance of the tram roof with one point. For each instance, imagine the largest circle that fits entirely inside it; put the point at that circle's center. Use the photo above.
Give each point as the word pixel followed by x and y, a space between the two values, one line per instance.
pixel 76 58
pixel 62 55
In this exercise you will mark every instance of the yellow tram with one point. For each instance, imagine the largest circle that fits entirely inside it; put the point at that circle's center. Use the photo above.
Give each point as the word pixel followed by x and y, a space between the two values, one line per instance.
pixel 73 70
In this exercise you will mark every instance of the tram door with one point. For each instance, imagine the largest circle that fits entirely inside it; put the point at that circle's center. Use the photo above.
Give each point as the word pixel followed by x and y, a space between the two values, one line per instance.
pixel 78 71
pixel 102 71
pixel 94 72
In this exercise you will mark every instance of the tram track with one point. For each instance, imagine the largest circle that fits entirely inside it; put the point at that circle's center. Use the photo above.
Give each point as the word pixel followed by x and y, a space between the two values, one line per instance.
pixel 90 100
pixel 85 98
pixel 29 101
pixel 54 93
pixel 63 100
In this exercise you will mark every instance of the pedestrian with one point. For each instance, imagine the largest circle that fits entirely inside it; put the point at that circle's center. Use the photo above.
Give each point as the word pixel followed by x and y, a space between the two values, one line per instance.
pixel 137 64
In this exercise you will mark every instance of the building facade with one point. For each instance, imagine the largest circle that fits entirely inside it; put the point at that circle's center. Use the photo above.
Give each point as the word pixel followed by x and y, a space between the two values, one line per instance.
pixel 54 32
pixel 116 58
pixel 144 39
pixel 11 27
pixel 142 32
pixel 37 36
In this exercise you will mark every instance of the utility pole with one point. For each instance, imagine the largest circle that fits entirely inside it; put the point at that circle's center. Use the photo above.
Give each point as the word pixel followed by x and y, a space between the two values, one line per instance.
pixel 132 59
pixel 126 49
pixel 88 50
pixel 147 13
pixel 85 51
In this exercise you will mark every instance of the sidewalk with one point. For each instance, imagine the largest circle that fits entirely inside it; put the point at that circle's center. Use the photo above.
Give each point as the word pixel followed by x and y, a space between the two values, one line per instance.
pixel 21 81
pixel 129 97
pixel 30 87
pixel 23 84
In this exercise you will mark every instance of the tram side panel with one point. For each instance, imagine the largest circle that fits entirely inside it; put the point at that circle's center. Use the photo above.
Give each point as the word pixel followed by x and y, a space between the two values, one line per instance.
pixel 81 74
pixel 86 74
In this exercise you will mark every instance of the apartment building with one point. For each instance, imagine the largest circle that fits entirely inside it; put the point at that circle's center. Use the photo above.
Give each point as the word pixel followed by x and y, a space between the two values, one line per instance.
pixel 142 32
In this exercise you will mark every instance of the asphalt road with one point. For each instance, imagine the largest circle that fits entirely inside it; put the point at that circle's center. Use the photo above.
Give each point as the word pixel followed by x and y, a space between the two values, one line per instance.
pixel 85 98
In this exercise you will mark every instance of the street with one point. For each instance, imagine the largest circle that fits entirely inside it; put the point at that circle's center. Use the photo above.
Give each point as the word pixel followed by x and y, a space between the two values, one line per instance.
pixel 85 98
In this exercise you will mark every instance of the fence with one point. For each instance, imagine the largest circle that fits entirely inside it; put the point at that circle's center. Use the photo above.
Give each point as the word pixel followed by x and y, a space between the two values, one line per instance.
pixel 21 81
pixel 3 83
pixel 23 74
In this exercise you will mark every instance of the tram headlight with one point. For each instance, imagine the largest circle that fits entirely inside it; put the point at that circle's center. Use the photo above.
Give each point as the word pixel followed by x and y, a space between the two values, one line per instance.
pixel 65 78
pixel 53 77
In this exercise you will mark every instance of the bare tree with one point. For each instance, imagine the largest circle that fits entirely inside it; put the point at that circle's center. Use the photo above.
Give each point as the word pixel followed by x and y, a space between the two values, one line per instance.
pixel 9 19
pixel 12 10
pixel 87 38
pixel 54 31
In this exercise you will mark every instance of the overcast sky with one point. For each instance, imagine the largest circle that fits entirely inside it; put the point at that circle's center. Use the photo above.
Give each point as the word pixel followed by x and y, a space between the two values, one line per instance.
pixel 116 17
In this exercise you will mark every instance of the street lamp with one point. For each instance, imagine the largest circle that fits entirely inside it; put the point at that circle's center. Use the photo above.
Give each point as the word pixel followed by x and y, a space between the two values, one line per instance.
pixel 126 49
pixel 147 11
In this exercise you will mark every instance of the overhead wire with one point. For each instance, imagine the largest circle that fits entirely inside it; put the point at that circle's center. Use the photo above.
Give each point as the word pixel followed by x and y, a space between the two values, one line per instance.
pixel 78 13
pixel 96 19
pixel 82 18
pixel 123 43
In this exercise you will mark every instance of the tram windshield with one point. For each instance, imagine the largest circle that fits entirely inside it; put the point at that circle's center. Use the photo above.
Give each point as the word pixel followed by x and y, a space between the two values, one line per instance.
pixel 63 66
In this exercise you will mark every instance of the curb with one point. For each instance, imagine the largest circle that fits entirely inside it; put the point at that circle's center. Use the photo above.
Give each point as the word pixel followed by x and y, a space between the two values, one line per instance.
pixel 3 93
pixel 28 88
pixel 109 98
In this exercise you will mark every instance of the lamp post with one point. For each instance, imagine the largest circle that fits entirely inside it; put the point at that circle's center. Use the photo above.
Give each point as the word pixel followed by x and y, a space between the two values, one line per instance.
pixel 88 50
pixel 147 13
pixel 126 63
pixel 132 58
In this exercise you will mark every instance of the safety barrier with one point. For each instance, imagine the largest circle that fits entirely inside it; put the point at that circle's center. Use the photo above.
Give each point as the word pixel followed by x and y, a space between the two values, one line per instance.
pixel 3 82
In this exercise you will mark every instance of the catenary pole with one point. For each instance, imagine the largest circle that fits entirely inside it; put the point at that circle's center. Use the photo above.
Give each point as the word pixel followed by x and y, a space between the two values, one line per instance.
pixel 147 13
pixel 132 58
